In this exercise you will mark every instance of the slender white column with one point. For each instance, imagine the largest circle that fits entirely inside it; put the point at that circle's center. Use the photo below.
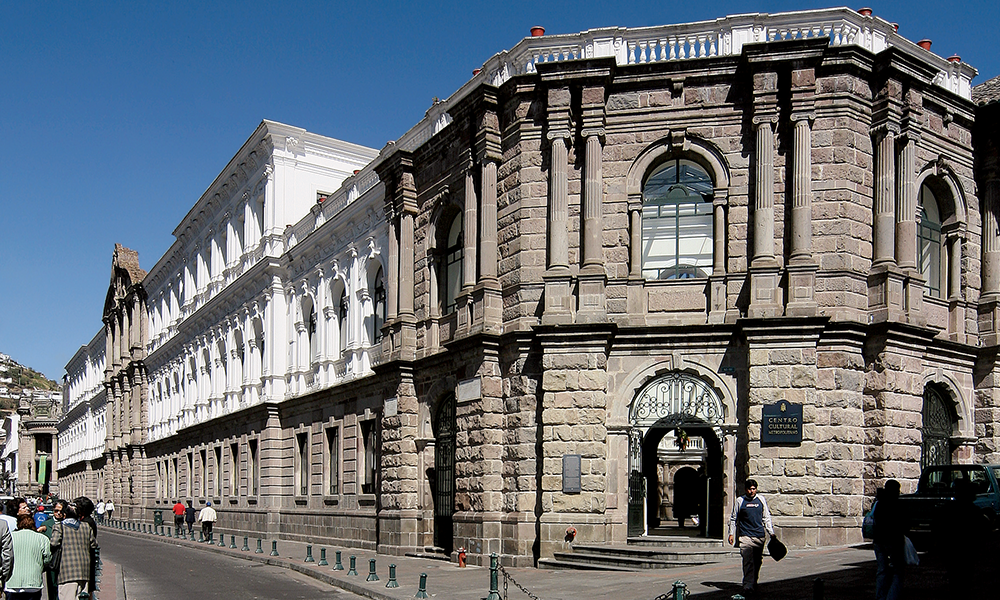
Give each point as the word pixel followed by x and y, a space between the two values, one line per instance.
pixel 884 201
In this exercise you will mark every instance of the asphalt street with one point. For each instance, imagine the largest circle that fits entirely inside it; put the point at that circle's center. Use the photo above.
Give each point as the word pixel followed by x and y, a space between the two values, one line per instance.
pixel 138 568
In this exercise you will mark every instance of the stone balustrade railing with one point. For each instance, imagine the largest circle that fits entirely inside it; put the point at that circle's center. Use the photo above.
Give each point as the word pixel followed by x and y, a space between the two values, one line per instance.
pixel 722 37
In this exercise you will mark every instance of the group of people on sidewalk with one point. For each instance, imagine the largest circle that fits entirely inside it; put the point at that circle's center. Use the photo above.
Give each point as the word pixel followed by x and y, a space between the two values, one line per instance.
pixel 189 515
pixel 38 551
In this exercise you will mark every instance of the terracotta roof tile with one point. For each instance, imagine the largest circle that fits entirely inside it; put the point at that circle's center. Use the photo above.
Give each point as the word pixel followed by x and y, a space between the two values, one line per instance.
pixel 987 92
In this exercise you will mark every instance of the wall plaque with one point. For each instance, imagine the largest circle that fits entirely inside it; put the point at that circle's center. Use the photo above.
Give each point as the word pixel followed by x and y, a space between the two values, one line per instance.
pixel 781 423
pixel 571 474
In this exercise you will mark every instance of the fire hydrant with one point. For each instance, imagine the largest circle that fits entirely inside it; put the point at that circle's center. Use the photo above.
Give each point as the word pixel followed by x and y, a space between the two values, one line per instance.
pixel 461 557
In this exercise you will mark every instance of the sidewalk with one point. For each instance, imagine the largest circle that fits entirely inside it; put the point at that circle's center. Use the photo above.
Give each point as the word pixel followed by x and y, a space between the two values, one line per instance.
pixel 847 572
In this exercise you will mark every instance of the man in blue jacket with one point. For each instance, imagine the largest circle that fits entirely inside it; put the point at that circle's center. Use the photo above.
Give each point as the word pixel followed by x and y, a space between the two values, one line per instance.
pixel 750 519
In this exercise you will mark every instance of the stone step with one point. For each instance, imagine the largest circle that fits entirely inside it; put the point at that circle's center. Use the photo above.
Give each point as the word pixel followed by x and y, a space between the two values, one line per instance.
pixel 666 554
pixel 619 562
pixel 634 558
pixel 553 563
pixel 667 541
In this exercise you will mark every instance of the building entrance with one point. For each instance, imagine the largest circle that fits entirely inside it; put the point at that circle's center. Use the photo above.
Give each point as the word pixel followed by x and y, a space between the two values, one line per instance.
pixel 676 458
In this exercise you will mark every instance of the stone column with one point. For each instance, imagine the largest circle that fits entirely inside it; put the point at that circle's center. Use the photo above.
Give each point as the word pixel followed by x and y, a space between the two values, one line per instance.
pixel 906 217
pixel 558 303
pixel 763 209
pixel 593 255
pixel 989 300
pixel 802 192
pixel 635 238
pixel 592 306
pixel 469 228
pixel 488 221
pixel 764 293
pixel 406 254
pixel 392 281
pixel 801 266
pixel 558 203
pixel 884 201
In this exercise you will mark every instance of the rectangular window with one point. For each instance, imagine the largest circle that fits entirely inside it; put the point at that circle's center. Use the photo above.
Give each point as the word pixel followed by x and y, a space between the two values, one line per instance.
pixel 367 454
pixel 302 473
pixel 190 475
pixel 218 470
pixel 204 474
pixel 173 483
pixel 252 477
pixel 332 461
pixel 234 462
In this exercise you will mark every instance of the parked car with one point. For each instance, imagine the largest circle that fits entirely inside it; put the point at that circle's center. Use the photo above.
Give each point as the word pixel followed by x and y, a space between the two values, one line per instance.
pixel 937 487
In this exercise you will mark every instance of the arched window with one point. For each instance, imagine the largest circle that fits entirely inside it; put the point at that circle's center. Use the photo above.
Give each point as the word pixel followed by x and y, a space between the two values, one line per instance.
pixel 677 222
pixel 936 431
pixel 451 265
pixel 378 306
pixel 342 308
pixel 313 338
pixel 929 242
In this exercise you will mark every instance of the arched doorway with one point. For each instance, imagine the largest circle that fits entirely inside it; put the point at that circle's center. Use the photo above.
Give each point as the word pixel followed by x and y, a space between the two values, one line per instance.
pixel 685 408
pixel 938 425
pixel 443 480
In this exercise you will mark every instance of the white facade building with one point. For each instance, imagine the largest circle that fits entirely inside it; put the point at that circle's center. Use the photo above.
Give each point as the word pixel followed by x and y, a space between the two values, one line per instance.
pixel 83 430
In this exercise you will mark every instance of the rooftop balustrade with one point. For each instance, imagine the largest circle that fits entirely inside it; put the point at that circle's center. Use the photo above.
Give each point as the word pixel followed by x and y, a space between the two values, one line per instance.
pixel 705 39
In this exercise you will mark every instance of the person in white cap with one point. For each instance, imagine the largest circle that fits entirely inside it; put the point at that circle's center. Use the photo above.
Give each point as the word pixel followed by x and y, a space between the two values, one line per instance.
pixel 207 517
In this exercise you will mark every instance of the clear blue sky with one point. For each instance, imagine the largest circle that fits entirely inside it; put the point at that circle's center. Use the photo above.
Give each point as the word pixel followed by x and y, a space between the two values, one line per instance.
pixel 116 116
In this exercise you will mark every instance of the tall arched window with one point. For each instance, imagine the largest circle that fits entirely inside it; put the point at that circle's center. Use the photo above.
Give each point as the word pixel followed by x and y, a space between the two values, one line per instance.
pixel 936 431
pixel 677 221
pixel 451 265
pixel 378 306
pixel 342 309
pixel 929 242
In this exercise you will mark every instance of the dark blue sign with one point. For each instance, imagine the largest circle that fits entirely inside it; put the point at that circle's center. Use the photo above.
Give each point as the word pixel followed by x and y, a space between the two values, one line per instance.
pixel 781 423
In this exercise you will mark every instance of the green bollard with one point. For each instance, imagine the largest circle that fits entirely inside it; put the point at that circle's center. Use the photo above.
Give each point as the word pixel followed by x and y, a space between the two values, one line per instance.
pixel 177 532
pixel 309 553
pixel 679 591
pixel 338 566
pixel 737 597
pixel 274 548
pixel 353 570
pixel 201 537
pixel 422 590
pixel 222 540
pixel 494 578
pixel 258 550
pixel 392 578
pixel 322 558
pixel 232 542
pixel 246 544
pixel 372 575
pixel 192 535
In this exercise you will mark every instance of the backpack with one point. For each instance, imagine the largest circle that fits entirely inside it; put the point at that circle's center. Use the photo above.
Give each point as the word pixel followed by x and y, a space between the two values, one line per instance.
pixel 868 525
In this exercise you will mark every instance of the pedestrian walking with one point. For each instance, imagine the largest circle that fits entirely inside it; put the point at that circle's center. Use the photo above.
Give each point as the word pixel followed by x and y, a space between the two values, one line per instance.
pixel 84 510
pixel 31 553
pixel 178 515
pixel 76 541
pixel 207 517
pixel 750 520
pixel 190 514
pixel 887 541
pixel 100 511
pixel 109 509
pixel 6 554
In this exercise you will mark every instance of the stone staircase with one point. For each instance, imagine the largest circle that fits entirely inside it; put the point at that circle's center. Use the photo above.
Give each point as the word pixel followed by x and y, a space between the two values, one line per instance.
pixel 648 552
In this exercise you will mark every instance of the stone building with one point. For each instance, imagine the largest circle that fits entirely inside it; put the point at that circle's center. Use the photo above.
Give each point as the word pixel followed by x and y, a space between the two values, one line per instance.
pixel 602 241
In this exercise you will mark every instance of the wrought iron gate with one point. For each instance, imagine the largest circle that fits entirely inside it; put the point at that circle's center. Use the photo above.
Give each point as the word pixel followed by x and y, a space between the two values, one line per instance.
pixel 636 503
pixel 444 469
pixel 937 430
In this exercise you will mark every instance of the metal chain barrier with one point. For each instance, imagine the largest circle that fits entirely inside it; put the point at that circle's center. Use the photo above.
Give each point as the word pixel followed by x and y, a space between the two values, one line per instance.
pixel 508 578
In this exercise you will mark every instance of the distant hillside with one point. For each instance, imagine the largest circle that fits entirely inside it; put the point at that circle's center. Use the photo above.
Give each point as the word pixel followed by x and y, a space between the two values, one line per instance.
pixel 17 378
